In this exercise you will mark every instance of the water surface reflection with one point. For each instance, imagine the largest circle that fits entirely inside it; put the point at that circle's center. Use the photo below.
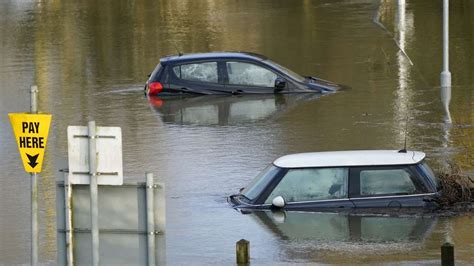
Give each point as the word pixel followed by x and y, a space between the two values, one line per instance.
pixel 342 237
pixel 336 230
pixel 225 110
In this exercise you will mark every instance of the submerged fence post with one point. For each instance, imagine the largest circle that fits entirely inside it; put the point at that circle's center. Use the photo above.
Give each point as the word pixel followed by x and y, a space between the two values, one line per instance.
pixel 150 218
pixel 93 193
pixel 447 254
pixel 242 251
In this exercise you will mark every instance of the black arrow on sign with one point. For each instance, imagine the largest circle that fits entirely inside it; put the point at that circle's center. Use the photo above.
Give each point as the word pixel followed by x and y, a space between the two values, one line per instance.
pixel 32 160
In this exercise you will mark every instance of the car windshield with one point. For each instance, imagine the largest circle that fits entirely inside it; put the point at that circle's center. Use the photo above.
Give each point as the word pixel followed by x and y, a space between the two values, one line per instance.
pixel 255 188
pixel 285 70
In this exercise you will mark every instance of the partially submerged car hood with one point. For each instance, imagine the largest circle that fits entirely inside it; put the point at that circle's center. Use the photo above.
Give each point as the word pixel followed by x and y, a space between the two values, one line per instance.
pixel 323 85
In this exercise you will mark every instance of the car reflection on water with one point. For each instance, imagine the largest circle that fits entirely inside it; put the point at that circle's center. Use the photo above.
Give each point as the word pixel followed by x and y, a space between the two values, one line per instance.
pixel 225 110
pixel 346 232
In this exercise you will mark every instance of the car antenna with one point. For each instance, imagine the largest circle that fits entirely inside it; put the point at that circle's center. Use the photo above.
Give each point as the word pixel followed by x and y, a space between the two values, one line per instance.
pixel 404 150
pixel 176 47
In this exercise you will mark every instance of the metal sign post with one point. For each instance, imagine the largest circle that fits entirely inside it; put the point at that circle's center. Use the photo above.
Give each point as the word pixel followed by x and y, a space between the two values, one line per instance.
pixel 31 135
pixel 68 220
pixel 93 193
pixel 34 190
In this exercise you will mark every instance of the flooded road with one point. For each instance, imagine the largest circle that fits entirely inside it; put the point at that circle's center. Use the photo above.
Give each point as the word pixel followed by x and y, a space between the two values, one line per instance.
pixel 90 61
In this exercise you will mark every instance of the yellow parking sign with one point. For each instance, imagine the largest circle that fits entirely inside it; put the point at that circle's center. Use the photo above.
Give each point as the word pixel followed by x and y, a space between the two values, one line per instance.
pixel 31 134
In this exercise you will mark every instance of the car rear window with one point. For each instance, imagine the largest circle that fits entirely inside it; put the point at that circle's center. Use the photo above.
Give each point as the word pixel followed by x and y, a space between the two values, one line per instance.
pixel 204 72
pixel 386 182
pixel 429 173
pixel 155 71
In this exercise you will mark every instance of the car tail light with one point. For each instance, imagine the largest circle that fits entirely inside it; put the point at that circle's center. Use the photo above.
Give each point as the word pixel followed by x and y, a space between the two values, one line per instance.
pixel 154 88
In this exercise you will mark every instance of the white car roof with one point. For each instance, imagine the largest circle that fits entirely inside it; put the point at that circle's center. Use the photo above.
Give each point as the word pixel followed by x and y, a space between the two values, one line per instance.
pixel 349 158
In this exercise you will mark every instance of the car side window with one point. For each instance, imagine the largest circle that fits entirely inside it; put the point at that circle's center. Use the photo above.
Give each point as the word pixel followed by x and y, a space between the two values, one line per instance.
pixel 205 72
pixel 311 184
pixel 386 182
pixel 247 74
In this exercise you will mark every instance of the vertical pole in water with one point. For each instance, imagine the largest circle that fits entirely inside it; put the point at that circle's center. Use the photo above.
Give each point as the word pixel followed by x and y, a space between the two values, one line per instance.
pixel 34 219
pixel 93 193
pixel 242 249
pixel 69 226
pixel 445 74
pixel 150 219
pixel 447 254
pixel 34 189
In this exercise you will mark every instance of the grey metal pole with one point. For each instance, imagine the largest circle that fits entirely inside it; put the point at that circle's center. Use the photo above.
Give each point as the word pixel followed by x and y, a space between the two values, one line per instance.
pixel 69 225
pixel 34 99
pixel 93 193
pixel 34 219
pixel 34 189
pixel 445 74
pixel 150 218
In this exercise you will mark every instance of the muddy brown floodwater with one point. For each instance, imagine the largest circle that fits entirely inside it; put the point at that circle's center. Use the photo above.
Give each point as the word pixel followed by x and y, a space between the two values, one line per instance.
pixel 90 60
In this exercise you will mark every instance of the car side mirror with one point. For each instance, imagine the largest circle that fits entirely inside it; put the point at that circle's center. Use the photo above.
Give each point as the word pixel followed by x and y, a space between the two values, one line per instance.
pixel 278 202
pixel 280 83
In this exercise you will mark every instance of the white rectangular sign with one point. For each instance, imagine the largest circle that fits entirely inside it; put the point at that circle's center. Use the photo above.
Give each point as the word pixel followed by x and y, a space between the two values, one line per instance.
pixel 109 155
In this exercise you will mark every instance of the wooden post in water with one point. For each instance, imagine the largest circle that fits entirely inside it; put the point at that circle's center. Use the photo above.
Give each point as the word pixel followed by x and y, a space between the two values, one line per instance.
pixel 242 251
pixel 447 254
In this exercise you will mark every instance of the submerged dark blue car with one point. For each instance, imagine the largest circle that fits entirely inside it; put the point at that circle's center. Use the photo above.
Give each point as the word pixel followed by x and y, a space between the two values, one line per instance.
pixel 229 73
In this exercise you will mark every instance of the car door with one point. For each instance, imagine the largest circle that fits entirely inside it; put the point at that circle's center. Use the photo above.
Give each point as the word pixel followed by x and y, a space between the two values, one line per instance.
pixel 386 186
pixel 313 188
pixel 197 77
pixel 249 77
